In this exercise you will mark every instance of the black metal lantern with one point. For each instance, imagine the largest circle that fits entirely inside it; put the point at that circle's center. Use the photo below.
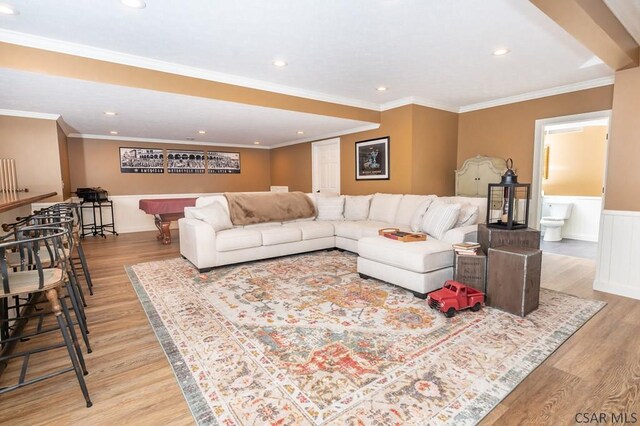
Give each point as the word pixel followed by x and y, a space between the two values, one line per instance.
pixel 508 201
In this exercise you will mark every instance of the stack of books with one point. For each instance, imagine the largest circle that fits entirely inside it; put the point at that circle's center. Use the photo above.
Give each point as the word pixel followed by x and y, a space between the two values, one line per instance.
pixel 466 248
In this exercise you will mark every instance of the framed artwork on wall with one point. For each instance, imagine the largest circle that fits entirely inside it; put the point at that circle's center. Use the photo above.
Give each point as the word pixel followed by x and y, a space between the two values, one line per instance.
pixel 141 160
pixel 184 161
pixel 372 159
pixel 223 162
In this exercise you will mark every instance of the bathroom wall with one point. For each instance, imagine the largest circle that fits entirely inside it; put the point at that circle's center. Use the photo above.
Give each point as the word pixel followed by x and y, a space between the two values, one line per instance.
pixel 584 223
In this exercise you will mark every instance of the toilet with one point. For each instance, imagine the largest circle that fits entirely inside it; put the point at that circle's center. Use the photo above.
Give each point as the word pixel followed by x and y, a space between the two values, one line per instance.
pixel 558 213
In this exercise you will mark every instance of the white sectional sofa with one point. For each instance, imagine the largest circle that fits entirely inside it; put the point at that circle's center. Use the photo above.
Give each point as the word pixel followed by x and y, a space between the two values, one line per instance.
pixel 418 266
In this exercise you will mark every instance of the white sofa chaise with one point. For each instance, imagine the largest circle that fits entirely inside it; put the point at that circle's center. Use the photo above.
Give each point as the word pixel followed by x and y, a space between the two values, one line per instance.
pixel 380 257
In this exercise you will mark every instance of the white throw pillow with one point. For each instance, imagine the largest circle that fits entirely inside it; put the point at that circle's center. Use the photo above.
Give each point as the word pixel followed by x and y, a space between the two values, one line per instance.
pixel 468 215
pixel 439 218
pixel 418 214
pixel 384 207
pixel 330 208
pixel 356 207
pixel 406 208
pixel 215 215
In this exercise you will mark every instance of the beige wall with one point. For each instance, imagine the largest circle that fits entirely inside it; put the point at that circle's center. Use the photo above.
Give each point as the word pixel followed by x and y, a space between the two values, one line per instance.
pixel 33 143
pixel 63 150
pixel 509 130
pixel 422 155
pixel 397 124
pixel 576 162
pixel 97 163
pixel 623 168
pixel 435 146
pixel 291 166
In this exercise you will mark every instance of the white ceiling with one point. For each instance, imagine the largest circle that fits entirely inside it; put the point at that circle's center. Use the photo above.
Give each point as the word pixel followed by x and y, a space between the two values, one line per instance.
pixel 158 115
pixel 434 52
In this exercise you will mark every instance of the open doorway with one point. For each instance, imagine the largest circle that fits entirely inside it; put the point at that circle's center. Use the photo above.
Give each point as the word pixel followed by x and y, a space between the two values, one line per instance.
pixel 568 183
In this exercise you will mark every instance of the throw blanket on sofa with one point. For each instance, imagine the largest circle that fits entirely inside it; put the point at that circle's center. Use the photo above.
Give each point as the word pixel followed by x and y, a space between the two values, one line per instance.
pixel 250 208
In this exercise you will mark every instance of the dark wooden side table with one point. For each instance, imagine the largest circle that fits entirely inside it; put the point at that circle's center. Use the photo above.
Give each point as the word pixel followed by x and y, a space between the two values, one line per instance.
pixel 495 237
pixel 513 279
pixel 471 270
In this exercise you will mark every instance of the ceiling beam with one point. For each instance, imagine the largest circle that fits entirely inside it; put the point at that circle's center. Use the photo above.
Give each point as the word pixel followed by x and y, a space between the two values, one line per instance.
pixel 64 65
pixel 593 24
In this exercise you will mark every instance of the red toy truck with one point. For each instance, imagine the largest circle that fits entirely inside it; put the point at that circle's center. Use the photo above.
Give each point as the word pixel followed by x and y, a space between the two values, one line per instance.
pixel 455 296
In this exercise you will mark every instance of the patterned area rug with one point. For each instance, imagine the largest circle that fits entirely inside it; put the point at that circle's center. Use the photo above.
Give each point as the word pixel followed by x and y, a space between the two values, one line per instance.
pixel 304 340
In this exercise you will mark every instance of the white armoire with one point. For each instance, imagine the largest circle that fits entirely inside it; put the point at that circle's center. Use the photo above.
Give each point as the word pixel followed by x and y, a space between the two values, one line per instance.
pixel 476 173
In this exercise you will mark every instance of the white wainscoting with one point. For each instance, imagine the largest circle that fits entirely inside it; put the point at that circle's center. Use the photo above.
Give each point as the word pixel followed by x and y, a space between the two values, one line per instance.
pixel 584 222
pixel 128 217
pixel 618 265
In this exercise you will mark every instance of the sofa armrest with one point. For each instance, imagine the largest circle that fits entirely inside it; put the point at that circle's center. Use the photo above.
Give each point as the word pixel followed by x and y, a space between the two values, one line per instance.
pixel 198 242
pixel 188 214
pixel 462 234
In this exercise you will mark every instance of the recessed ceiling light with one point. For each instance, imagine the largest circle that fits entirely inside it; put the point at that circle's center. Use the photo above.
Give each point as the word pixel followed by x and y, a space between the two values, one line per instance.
pixel 501 51
pixel 202 132
pixel 381 88
pixel 279 63
pixel 110 113
pixel 5 9
pixel 300 132
pixel 113 132
pixel 135 4
pixel 256 143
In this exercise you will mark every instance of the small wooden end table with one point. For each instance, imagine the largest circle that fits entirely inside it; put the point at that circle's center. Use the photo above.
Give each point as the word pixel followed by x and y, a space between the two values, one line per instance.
pixel 471 270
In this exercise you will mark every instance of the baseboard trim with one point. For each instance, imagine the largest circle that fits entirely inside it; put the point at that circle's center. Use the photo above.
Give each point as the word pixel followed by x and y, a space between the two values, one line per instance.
pixel 582 237
pixel 617 289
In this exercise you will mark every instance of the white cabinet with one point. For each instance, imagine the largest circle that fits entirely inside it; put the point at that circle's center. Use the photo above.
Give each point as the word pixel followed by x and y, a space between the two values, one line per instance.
pixel 476 173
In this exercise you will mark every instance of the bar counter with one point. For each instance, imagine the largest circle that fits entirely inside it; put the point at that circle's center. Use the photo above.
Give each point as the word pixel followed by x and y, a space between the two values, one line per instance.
pixel 13 200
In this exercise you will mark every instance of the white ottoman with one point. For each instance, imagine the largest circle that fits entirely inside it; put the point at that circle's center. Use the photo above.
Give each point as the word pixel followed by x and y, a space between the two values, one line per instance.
pixel 421 267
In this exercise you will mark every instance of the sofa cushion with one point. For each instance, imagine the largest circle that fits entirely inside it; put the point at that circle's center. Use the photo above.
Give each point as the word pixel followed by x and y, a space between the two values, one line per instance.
pixel 357 230
pixel 419 256
pixel 208 199
pixel 262 225
pixel 356 207
pixel 407 207
pixel 214 214
pixel 468 215
pixel 384 207
pixel 439 218
pixel 280 235
pixel 418 214
pixel 330 208
pixel 481 202
pixel 236 239
pixel 313 230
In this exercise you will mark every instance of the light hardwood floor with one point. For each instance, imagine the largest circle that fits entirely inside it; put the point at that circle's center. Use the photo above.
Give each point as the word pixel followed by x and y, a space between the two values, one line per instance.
pixel 130 381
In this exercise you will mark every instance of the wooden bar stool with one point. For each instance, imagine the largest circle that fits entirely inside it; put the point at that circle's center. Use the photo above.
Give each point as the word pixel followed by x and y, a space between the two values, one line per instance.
pixel 33 279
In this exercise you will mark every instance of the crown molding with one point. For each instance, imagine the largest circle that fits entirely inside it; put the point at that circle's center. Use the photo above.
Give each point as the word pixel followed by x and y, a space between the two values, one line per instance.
pixel 29 114
pixel 76 49
pixel 590 84
pixel 328 135
pixel 415 100
pixel 167 141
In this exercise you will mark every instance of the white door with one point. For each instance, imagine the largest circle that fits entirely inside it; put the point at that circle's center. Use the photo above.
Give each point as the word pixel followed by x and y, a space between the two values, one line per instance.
pixel 325 161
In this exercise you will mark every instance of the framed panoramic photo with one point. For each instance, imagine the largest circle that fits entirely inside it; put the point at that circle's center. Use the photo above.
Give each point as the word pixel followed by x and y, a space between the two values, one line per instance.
pixel 223 162
pixel 185 161
pixel 141 160
pixel 372 159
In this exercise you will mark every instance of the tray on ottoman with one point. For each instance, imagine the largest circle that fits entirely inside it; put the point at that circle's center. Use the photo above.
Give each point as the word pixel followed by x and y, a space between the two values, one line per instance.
pixel 405 237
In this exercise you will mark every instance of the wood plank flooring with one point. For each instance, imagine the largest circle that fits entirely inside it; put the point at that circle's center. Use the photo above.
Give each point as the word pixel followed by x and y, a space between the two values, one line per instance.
pixel 131 382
